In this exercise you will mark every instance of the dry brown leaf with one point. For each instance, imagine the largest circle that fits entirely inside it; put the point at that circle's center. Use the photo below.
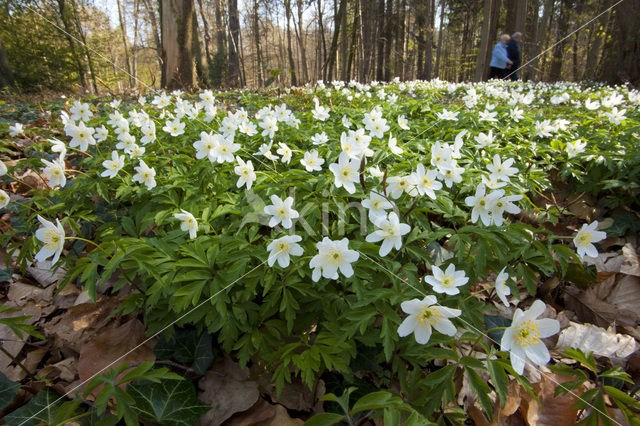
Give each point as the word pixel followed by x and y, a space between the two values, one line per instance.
pixel 79 323
pixel 589 308
pixel 295 396
pixel 226 388
pixel 552 411
pixel 259 414
pixel 42 273
pixel 12 343
pixel 626 293
pixel 631 263
pixel 20 293
pixel 111 344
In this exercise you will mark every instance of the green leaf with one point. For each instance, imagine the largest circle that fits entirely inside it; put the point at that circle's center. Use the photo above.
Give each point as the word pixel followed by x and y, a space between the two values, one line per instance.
pixel 482 391
pixel 8 390
pixel 375 400
pixel 495 321
pixel 187 346
pixel 170 402
pixel 324 419
pixel 41 409
pixel 440 375
pixel 500 380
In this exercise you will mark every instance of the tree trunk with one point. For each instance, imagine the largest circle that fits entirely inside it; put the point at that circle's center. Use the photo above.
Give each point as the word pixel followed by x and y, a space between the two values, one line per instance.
pixel 400 38
pixel 154 29
pixel 256 39
pixel 380 20
pixel 292 64
pixel 85 46
pixel 621 52
pixel 344 45
pixel 6 74
pixel 388 40
pixel 481 63
pixel 125 43
pixel 301 41
pixel 521 16
pixel 202 66
pixel 331 60
pixel 134 48
pixel 177 44
pixel 234 79
pixel 354 41
pixel 534 72
pixel 596 40
pixel 322 63
pixel 428 53
pixel 439 48
pixel 559 49
pixel 206 35
pixel 68 29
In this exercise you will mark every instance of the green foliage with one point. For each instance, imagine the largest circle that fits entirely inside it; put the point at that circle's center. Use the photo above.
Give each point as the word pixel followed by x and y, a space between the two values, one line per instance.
pixel 187 346
pixel 17 324
pixel 113 386
pixel 8 390
pixel 594 397
pixel 169 402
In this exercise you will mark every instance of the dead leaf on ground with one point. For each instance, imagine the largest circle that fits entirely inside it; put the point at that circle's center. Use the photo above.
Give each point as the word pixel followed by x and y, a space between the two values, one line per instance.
pixel 80 323
pixel 263 414
pixel 589 308
pixel 42 273
pixel 552 411
pixel 227 388
pixel 631 263
pixel 12 343
pixel 588 337
pixel 111 344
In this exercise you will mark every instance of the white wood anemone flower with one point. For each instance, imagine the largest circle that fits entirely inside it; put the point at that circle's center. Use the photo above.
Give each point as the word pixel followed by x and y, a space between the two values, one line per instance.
pixel 390 233
pixel 4 199
pixel 53 238
pixel 282 248
pixel 424 316
pixel 188 223
pixel 447 281
pixel 281 212
pixel 333 256
pixel 587 235
pixel 523 338
pixel 502 290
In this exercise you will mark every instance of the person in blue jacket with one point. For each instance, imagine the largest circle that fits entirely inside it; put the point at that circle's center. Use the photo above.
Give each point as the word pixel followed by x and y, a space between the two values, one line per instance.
pixel 499 59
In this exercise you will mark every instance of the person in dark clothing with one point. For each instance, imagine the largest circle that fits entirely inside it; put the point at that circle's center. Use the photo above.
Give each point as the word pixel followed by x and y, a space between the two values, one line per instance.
pixel 514 54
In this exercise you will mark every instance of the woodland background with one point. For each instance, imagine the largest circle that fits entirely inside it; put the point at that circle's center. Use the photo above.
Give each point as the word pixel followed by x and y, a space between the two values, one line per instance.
pixel 75 46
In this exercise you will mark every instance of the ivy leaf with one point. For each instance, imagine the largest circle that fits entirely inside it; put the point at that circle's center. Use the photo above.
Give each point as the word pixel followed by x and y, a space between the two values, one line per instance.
pixel 495 321
pixel 41 409
pixel 170 402
pixel 187 346
pixel 8 390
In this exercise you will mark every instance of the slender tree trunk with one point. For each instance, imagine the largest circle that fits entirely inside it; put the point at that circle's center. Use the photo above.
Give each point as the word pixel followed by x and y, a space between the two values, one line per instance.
pixel 202 67
pixel 125 42
pixel 331 60
pixel 439 48
pixel 6 73
pixel 256 39
pixel 134 48
pixel 388 40
pixel 292 64
pixel 323 41
pixel 354 40
pixel 536 72
pixel 399 39
pixel 596 40
pixel 206 35
pixel 559 49
pixel 481 64
pixel 85 46
pixel 428 53
pixel 301 42
pixel 177 44
pixel 380 20
pixel 344 36
pixel 235 78
pixel 151 13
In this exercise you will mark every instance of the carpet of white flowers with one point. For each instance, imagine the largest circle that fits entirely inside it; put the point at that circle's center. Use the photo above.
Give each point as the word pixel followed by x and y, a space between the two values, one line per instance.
pixel 306 227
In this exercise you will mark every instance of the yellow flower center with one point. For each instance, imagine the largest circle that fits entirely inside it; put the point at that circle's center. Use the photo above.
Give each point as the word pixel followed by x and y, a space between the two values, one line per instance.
pixel 346 171
pixel 429 316
pixel 281 212
pixel 52 239
pixel 527 333
pixel 447 280
pixel 334 257
pixel 283 247
pixel 584 239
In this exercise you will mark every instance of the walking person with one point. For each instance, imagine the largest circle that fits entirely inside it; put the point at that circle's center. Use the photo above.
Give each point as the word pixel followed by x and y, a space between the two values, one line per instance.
pixel 499 58
pixel 515 55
